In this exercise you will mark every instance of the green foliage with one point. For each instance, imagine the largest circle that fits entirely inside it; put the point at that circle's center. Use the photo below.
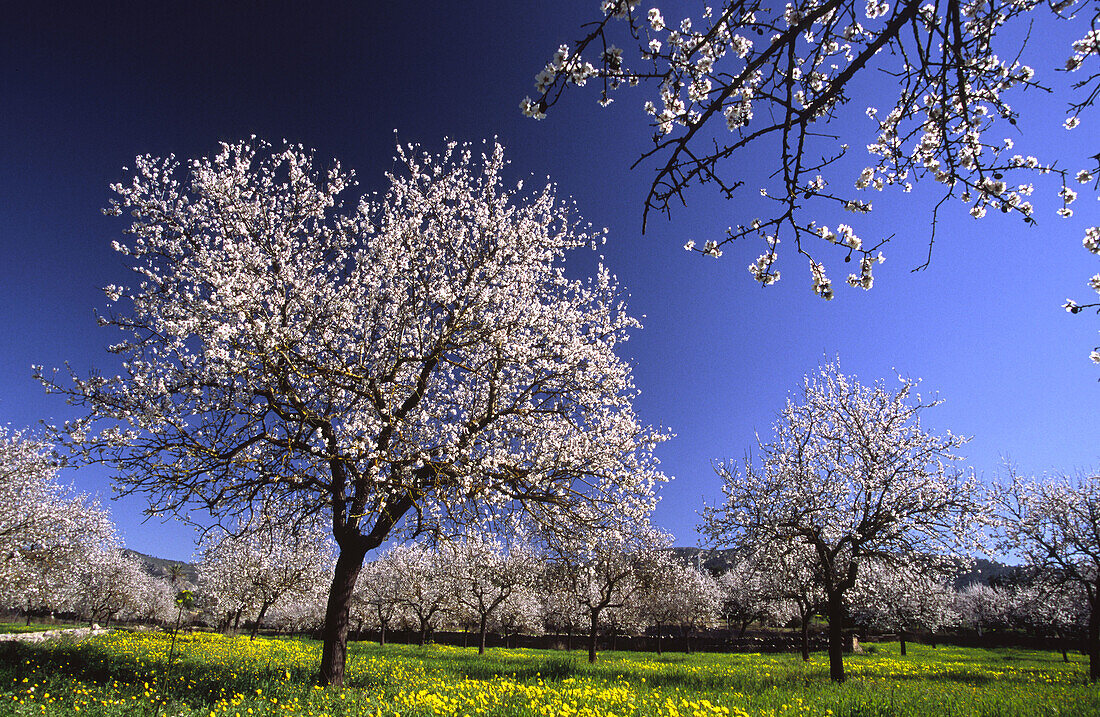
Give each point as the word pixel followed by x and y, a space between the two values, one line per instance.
pixel 118 674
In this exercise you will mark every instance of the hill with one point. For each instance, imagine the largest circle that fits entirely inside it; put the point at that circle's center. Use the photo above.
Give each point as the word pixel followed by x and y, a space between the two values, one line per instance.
pixel 161 568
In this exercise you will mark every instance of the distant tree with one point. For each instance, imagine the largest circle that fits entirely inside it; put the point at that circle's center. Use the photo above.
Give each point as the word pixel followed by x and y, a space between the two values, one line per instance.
pixel 403 364
pixel 851 476
pixel 109 584
pixel 426 589
pixel 154 602
pixel 1051 608
pixel 746 79
pixel 901 599
pixel 655 601
pixel 1055 525
pixel 697 597
pixel 794 582
pixel 982 607
pixel 269 562
pixel 748 594
pixel 485 575
pixel 561 613
pixel 600 572
pixel 520 611
pixel 46 534
pixel 377 596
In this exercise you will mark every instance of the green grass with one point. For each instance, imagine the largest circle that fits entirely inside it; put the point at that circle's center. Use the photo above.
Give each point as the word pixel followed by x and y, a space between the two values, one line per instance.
pixel 124 674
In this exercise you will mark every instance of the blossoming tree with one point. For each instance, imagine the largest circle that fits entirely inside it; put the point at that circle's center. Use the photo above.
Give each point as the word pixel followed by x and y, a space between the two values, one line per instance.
pixel 485 574
pixel 602 570
pixel 738 78
pixel 46 536
pixel 902 599
pixel 267 565
pixel 851 475
pixel 403 363
pixel 1055 525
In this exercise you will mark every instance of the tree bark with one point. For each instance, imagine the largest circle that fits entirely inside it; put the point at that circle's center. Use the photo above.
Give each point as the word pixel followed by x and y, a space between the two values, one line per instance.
pixel 382 634
pixel 1094 637
pixel 592 639
pixel 836 638
pixel 659 630
pixel 901 639
pixel 259 619
pixel 334 650
pixel 482 629
pixel 805 640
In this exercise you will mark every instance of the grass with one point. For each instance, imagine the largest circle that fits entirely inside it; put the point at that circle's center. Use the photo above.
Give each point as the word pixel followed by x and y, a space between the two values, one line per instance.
pixel 125 674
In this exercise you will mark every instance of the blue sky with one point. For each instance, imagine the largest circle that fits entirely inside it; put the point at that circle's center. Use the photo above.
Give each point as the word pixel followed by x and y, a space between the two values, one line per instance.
pixel 85 90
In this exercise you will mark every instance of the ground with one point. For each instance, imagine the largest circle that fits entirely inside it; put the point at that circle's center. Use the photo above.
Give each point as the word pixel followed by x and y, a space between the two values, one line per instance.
pixel 126 674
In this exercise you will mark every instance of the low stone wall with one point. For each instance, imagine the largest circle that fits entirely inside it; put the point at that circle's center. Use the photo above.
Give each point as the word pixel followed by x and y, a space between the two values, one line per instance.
pixel 75 633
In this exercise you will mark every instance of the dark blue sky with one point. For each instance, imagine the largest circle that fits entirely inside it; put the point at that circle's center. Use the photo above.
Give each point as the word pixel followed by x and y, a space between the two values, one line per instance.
pixel 87 87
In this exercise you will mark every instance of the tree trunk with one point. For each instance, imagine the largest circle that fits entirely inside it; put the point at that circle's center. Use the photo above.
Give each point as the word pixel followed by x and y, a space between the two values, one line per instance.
pixel 658 638
pixel 382 634
pixel 482 629
pixel 237 619
pixel 1094 638
pixel 259 619
pixel 836 638
pixel 334 650
pixel 901 639
pixel 592 639
pixel 744 626
pixel 805 640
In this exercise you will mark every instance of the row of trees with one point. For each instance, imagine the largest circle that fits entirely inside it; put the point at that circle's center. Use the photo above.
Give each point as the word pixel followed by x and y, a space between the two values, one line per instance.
pixel 478 585
pixel 59 551
pixel 418 366
pixel 268 569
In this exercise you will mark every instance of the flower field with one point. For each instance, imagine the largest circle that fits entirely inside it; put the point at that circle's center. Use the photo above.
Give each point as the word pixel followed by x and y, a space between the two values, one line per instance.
pixel 124 674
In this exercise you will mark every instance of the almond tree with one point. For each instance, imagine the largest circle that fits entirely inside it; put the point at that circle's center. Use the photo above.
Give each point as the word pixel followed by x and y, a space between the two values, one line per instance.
pixel 793 583
pixel 901 599
pixel 982 606
pixel 1055 525
pixel 263 565
pixel 485 575
pixel 46 534
pixel 110 583
pixel 696 599
pixel 1049 607
pixel 738 80
pixel 426 590
pixel 600 572
pixel 748 594
pixel 377 596
pixel 852 476
pixel 655 604
pixel 521 610
pixel 404 363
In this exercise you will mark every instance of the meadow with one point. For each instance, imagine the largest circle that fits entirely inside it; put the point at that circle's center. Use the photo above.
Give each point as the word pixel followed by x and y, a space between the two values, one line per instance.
pixel 124 673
